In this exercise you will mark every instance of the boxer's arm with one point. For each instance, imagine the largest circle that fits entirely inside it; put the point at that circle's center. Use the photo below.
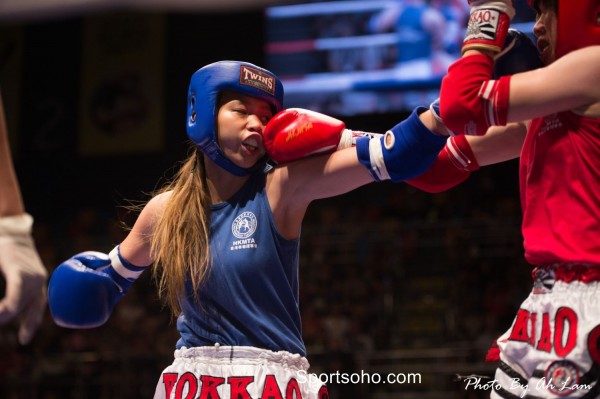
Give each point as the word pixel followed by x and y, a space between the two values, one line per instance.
pixel 20 264
pixel 291 187
pixel 407 150
pixel 136 247
pixel 499 144
pixel 563 85
pixel 522 96
pixel 296 133
pixel 11 202
pixel 84 289
pixel 465 154
pixel 557 88
pixel 454 164
pixel 475 93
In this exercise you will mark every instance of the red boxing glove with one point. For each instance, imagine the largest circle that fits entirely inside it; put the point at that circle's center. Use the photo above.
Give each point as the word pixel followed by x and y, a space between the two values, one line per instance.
pixel 296 133
pixel 488 25
pixel 454 164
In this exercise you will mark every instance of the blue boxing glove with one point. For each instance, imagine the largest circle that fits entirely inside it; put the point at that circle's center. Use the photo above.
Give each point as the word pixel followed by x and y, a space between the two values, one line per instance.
pixel 404 152
pixel 519 54
pixel 84 289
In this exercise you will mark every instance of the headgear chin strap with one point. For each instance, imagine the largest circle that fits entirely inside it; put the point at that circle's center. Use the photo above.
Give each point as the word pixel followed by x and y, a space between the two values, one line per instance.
pixel 578 25
pixel 205 86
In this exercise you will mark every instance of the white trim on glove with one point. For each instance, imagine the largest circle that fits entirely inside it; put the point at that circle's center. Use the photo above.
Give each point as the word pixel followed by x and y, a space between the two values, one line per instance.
pixel 121 269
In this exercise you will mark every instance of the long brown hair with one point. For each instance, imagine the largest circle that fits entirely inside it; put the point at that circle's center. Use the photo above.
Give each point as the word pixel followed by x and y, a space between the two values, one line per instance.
pixel 180 241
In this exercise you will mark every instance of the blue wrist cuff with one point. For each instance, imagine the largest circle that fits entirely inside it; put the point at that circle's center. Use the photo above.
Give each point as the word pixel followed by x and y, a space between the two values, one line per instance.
pixel 364 155
pixel 416 147
pixel 405 151
pixel 121 267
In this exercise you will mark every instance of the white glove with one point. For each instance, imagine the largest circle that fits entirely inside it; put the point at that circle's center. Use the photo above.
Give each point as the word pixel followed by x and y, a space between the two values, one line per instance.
pixel 26 277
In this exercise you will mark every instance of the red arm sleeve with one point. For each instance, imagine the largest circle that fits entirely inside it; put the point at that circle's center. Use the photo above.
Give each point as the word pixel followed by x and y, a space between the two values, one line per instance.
pixel 454 164
pixel 469 101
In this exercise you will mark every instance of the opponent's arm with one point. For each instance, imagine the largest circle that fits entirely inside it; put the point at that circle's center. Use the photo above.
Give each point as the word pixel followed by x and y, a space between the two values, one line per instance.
pixel 472 100
pixel 20 264
pixel 557 87
pixel 475 92
pixel 465 154
pixel 454 164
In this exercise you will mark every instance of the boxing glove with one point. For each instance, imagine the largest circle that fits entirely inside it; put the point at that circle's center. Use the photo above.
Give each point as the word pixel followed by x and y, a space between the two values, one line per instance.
pixel 488 25
pixel 84 289
pixel 405 151
pixel 519 54
pixel 296 133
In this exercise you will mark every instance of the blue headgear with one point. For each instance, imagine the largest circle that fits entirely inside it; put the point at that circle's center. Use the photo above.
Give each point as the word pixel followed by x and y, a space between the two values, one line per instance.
pixel 205 86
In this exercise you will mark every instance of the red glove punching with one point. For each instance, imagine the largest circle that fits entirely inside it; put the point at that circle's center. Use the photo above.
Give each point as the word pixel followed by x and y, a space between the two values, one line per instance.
pixel 296 133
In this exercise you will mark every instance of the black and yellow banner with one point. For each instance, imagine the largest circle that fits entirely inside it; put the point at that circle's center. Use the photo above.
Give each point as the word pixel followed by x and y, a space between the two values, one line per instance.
pixel 122 84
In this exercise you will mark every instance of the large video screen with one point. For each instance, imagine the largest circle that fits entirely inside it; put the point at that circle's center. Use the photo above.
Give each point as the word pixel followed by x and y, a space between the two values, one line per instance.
pixel 356 57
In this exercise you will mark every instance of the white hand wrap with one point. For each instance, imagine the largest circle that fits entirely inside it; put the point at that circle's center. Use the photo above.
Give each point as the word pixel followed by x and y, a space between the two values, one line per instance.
pixel 349 137
pixel 16 225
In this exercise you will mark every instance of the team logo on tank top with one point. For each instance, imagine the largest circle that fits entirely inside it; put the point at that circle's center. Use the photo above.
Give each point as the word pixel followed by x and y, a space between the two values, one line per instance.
pixel 242 228
pixel 551 122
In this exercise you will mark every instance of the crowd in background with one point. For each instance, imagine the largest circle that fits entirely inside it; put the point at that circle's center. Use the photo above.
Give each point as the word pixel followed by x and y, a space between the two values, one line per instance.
pixel 384 268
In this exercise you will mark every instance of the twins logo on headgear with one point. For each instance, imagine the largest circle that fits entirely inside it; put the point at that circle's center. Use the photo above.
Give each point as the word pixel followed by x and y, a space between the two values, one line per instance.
pixel 205 86
pixel 578 24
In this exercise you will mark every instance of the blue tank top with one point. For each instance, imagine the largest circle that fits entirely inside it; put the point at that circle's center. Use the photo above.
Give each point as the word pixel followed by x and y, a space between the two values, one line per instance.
pixel 250 297
pixel 414 42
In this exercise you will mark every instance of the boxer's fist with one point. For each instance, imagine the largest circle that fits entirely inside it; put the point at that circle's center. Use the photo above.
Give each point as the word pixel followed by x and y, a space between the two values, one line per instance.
pixel 488 25
pixel 519 54
pixel 296 133
pixel 84 289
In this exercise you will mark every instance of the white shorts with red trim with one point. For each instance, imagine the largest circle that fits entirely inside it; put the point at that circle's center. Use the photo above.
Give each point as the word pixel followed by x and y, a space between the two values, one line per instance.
pixel 224 372
pixel 552 348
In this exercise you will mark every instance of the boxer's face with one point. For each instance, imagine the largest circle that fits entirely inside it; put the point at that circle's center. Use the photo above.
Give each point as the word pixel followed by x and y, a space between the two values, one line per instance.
pixel 241 120
pixel 545 30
